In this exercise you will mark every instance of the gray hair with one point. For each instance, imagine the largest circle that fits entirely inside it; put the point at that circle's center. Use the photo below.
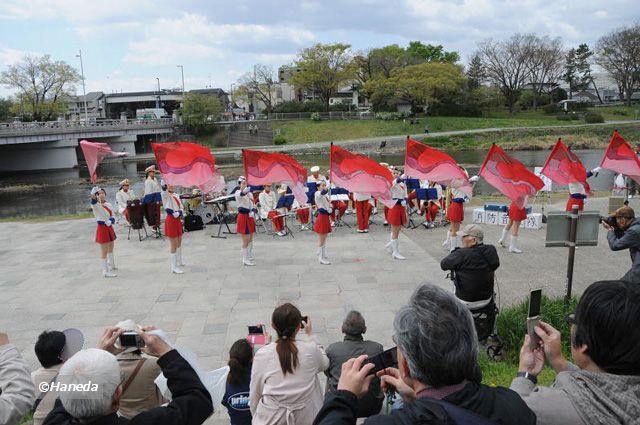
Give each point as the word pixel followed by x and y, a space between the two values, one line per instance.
pixel 354 324
pixel 96 375
pixel 435 333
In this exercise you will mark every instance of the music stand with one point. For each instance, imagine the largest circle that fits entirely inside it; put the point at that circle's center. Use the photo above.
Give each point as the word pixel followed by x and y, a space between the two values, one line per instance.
pixel 222 217
pixel 426 195
pixel 339 191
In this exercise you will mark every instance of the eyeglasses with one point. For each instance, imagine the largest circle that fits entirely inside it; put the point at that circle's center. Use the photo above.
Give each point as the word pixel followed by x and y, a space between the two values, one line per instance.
pixel 570 319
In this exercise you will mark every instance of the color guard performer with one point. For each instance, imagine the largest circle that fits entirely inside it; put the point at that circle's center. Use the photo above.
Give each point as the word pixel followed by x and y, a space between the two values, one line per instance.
pixel 173 225
pixel 455 215
pixel 516 216
pixel 268 202
pixel 246 223
pixel 152 198
pixel 105 235
pixel 397 215
pixel 578 193
pixel 123 196
pixel 322 225
pixel 363 211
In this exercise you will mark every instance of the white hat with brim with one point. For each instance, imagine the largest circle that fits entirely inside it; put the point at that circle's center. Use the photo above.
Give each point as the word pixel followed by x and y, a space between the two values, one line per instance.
pixel 95 190
pixel 241 179
pixel 74 341
pixel 315 169
pixel 124 182
pixel 150 168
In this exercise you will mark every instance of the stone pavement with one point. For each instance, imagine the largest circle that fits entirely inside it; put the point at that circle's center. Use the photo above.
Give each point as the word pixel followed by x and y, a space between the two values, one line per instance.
pixel 51 279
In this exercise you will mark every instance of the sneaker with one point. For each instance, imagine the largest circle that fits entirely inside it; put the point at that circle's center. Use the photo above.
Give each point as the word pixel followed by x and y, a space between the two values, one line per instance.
pixel 366 230
pixel 515 250
pixel 398 256
pixel 109 274
pixel 360 231
pixel 425 224
pixel 248 262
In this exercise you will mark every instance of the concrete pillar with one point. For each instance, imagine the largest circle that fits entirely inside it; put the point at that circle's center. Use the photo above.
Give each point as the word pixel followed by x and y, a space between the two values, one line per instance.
pixel 39 156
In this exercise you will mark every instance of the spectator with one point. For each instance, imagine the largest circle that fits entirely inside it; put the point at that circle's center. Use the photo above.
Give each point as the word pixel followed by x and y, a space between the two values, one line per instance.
pixel 472 270
pixel 603 386
pixel 438 375
pixel 16 388
pixel 284 382
pixel 139 391
pixel 353 346
pixel 191 404
pixel 626 235
pixel 52 349
pixel 236 396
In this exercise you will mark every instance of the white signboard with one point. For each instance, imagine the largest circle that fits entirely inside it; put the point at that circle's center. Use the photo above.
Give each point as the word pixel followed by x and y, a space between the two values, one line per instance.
pixel 546 180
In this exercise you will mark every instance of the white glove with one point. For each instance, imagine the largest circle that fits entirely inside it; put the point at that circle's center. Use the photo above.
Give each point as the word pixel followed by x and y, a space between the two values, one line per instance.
pixel 596 170
pixel 162 183
pixel 474 179
pixel 176 214
pixel 403 176
pixel 95 190
pixel 108 223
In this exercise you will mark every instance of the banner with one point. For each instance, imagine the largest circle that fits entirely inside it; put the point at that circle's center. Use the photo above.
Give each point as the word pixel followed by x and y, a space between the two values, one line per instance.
pixel 361 174
pixel 188 164
pixel 262 168
pixel 564 167
pixel 621 158
pixel 94 153
pixel 509 176
pixel 424 162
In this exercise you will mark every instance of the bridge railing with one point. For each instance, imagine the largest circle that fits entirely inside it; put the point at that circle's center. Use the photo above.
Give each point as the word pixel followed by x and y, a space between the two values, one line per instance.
pixel 48 127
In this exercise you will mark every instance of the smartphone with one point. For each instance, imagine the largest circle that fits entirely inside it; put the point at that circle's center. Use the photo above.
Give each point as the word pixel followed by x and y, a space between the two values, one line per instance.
pixel 131 339
pixel 256 330
pixel 388 358
pixel 533 317
pixel 304 320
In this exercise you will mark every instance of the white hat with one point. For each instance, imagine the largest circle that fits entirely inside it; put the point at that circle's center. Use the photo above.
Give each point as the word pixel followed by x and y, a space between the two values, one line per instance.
pixel 315 169
pixel 150 168
pixel 95 190
pixel 241 179
pixel 384 164
pixel 74 340
pixel 123 182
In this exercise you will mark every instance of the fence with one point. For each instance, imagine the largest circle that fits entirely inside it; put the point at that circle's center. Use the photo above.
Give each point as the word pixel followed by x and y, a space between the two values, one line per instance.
pixel 48 127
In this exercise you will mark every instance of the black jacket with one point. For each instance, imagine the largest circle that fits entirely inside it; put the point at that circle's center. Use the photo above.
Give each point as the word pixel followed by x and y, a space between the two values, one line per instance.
pixel 473 270
pixel 498 405
pixel 629 239
pixel 191 403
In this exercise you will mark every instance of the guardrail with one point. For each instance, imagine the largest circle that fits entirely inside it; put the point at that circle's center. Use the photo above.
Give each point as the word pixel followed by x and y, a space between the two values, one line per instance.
pixel 48 127
pixel 333 115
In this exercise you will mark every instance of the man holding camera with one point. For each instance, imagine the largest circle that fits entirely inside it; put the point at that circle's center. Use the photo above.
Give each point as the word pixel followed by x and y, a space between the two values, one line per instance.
pixel 624 233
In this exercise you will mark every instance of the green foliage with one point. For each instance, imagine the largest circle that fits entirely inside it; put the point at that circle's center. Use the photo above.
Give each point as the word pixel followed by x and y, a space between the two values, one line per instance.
pixel 279 139
pixel 200 111
pixel 5 109
pixel 390 116
pixel 430 53
pixel 512 324
pixel 500 374
pixel 620 112
pixel 295 106
pixel 315 117
pixel 552 108
pixel 571 116
pixel 593 118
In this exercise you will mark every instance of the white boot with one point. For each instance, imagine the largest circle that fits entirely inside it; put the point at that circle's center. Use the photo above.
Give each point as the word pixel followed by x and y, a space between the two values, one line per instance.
pixel 179 257
pixel 396 254
pixel 105 269
pixel 111 261
pixel 454 242
pixel 250 252
pixel 388 245
pixel 174 264
pixel 513 247
pixel 503 238
pixel 447 242
pixel 245 258
pixel 322 259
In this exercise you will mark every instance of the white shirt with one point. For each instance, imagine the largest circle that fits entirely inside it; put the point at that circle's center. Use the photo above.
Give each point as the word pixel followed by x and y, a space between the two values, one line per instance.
pixel 457 193
pixel 151 186
pixel 121 199
pixel 398 190
pixel 244 199
pixel 312 179
pixel 100 212
pixel 576 188
pixel 323 201
pixel 171 201
pixel 268 202
pixel 361 196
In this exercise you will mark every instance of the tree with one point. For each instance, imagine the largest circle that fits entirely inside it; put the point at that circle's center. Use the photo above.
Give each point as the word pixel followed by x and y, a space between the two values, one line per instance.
pixel 475 73
pixel 323 69
pixel 505 64
pixel 420 52
pixel 199 110
pixel 43 85
pixel 386 59
pixel 260 85
pixel 545 63
pixel 618 53
pixel 5 109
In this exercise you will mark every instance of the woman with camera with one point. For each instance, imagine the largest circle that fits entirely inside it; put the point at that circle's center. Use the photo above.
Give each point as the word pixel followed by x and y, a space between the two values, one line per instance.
pixel 285 387
pixel 105 235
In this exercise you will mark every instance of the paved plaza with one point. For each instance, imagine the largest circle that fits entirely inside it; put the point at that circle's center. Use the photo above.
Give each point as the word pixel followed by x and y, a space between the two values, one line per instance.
pixel 51 279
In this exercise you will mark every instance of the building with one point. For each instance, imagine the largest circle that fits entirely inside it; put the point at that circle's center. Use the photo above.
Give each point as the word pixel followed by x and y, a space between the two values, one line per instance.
pixel 95 106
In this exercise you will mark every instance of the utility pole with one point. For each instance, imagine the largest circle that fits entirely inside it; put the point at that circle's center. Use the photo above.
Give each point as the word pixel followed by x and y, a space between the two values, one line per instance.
pixel 158 99
pixel 182 72
pixel 84 90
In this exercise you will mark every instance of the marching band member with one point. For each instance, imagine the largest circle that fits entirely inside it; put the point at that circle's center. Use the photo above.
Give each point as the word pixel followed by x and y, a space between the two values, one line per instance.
pixel 246 224
pixel 455 214
pixel 105 235
pixel 302 213
pixel 268 202
pixel 339 208
pixel 322 226
pixel 122 197
pixel 397 215
pixel 432 207
pixel 363 211
pixel 173 225
pixel 152 197
pixel 578 193
pixel 315 176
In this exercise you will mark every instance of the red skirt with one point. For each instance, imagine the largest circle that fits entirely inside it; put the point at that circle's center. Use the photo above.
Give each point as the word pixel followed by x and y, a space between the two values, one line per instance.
pixel 322 225
pixel 397 216
pixel 573 201
pixel 245 225
pixel 172 226
pixel 105 234
pixel 455 212
pixel 517 214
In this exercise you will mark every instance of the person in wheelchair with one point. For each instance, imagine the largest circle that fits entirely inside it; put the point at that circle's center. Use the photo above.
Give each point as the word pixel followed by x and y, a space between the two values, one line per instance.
pixel 472 268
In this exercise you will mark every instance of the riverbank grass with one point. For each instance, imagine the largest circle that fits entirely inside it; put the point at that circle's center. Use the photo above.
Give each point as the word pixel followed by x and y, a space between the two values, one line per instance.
pixel 44 218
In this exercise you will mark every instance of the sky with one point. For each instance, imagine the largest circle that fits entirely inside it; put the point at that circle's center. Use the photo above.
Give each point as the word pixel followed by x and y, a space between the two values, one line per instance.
pixel 126 44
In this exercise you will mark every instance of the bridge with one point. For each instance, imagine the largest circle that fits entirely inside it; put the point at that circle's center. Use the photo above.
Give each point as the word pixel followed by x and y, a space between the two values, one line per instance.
pixel 54 145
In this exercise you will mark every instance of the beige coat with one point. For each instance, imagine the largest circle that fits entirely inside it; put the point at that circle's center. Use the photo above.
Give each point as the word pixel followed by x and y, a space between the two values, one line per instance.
pixel 38 377
pixel 142 393
pixel 292 399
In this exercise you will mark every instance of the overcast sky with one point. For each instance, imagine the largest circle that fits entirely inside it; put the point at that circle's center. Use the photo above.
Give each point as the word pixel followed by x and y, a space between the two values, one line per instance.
pixel 126 44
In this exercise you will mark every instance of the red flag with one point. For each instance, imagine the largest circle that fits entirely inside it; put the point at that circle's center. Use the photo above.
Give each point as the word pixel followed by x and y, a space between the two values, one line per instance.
pixel 273 167
pixel 424 162
pixel 188 164
pixel 509 176
pixel 94 153
pixel 621 158
pixel 564 167
pixel 361 174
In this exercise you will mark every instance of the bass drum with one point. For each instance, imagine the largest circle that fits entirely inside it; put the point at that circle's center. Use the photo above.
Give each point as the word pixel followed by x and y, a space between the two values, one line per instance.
pixel 205 212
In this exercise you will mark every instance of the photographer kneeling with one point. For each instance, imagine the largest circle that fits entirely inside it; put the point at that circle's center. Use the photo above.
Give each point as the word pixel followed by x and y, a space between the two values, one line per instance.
pixel 624 233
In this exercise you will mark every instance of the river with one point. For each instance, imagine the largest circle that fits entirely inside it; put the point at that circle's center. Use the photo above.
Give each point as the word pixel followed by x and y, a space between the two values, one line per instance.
pixel 67 191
